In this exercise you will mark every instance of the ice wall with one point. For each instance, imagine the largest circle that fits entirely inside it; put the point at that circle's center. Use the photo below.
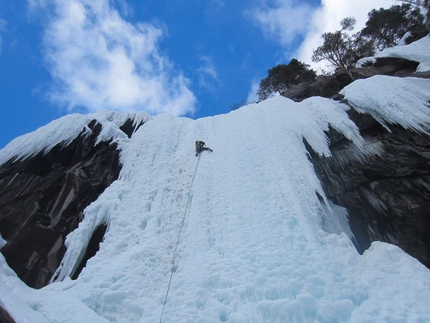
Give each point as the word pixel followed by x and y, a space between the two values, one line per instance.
pixel 244 233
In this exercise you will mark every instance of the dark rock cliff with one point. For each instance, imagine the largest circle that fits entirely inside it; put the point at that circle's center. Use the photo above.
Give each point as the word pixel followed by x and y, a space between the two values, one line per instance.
pixel 387 196
pixel 42 199
pixel 5 317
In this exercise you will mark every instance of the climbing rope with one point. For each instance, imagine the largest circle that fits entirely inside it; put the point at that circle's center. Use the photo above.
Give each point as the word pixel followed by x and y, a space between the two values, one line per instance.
pixel 177 242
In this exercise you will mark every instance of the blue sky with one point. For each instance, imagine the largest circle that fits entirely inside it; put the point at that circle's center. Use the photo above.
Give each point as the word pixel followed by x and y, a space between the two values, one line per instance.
pixel 189 58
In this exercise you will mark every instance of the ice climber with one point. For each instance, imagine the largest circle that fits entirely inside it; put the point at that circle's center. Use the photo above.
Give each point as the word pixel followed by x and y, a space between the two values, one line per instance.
pixel 200 146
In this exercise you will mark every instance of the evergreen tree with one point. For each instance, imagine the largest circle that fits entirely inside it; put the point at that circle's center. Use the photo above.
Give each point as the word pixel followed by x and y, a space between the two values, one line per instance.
pixel 282 76
pixel 385 27
pixel 425 5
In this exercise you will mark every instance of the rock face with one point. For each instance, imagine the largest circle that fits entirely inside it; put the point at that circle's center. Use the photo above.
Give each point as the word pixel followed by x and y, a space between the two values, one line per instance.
pixel 43 197
pixel 329 86
pixel 5 317
pixel 388 196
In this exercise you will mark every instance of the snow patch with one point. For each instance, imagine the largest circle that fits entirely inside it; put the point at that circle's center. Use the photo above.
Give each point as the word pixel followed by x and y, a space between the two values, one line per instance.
pixel 391 100
pixel 417 51
pixel 363 62
pixel 66 129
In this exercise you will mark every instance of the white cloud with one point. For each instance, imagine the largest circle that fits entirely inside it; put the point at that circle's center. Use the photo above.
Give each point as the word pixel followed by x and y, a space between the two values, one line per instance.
pixel 328 18
pixel 284 21
pixel 100 61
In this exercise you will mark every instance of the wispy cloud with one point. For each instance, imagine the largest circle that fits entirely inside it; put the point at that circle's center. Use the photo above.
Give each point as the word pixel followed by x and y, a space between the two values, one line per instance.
pixel 2 28
pixel 207 73
pixel 284 20
pixel 125 8
pixel 100 61
pixel 252 94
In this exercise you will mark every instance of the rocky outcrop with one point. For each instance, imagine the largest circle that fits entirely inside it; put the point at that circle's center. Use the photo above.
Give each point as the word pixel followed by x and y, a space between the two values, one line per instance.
pixel 388 196
pixel 386 66
pixel 5 317
pixel 43 197
pixel 329 86
pixel 325 86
